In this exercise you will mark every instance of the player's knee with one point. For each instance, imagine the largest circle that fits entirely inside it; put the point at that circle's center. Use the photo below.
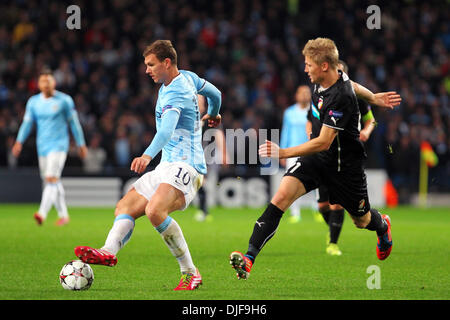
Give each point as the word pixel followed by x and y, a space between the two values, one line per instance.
pixel 282 200
pixel 121 207
pixel 360 223
pixel 324 207
pixel 51 179
pixel 155 214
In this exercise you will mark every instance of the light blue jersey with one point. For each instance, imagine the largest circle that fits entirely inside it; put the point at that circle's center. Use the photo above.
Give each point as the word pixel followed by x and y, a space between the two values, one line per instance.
pixel 178 125
pixel 293 131
pixel 52 116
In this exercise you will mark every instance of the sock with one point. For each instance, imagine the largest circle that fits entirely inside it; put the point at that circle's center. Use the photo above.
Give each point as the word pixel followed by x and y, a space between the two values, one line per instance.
pixel 60 203
pixel 202 197
pixel 264 230
pixel 336 220
pixel 49 195
pixel 119 234
pixel 325 214
pixel 173 237
pixel 377 223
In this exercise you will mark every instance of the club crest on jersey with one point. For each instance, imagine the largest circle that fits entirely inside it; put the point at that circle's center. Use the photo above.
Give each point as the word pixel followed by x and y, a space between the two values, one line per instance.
pixel 320 103
pixel 55 107
pixel 362 203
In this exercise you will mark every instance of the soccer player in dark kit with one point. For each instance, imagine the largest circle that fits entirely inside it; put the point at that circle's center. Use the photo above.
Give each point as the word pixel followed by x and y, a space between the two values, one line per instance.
pixel 334 158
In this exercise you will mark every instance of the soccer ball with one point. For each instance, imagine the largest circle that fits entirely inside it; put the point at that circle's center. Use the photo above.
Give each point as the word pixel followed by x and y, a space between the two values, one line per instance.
pixel 76 275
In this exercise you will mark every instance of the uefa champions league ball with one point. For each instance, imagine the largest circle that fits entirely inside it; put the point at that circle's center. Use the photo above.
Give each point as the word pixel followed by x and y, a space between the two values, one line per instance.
pixel 76 275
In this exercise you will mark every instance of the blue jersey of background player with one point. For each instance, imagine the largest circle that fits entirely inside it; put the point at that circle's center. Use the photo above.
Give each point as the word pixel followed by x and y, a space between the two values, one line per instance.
pixel 52 115
pixel 52 111
pixel 293 133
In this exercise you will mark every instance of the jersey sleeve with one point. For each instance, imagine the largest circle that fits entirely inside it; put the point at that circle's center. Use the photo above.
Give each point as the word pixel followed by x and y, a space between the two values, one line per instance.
pixel 74 122
pixel 168 124
pixel 365 110
pixel 27 123
pixel 339 112
pixel 199 83
pixel 208 90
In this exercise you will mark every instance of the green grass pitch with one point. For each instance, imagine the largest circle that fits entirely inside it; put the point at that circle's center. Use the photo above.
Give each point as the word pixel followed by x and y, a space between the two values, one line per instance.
pixel 293 265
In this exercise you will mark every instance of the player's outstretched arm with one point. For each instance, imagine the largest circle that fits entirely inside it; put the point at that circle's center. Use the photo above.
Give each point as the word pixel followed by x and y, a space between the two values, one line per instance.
pixel 389 99
pixel 168 124
pixel 321 143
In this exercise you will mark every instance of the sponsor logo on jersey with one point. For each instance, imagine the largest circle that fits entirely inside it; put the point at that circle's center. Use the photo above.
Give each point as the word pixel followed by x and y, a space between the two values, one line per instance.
pixel 336 114
pixel 164 109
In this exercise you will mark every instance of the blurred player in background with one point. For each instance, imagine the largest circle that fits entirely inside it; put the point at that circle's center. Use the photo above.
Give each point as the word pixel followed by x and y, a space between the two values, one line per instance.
pixel 175 181
pixel 219 159
pixel 333 214
pixel 334 157
pixel 52 111
pixel 293 133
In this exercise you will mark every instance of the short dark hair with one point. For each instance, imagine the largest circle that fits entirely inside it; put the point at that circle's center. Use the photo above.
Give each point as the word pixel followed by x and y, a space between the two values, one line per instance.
pixel 344 66
pixel 162 49
pixel 46 71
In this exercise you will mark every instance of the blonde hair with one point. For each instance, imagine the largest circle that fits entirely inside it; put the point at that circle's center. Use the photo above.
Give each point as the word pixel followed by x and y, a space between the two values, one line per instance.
pixel 322 50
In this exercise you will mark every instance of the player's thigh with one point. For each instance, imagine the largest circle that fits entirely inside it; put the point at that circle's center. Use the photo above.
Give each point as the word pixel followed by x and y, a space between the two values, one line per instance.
pixel 164 201
pixel 290 189
pixel 132 203
pixel 52 165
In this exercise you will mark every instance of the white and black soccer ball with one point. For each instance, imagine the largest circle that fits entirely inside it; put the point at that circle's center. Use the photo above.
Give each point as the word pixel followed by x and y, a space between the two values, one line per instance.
pixel 76 275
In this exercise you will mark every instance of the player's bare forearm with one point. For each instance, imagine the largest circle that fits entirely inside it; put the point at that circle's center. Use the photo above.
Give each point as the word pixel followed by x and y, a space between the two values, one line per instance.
pixel 310 147
pixel 389 99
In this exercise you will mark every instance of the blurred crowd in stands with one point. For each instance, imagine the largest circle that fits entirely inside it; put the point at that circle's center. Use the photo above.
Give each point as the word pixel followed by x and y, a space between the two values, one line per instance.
pixel 251 50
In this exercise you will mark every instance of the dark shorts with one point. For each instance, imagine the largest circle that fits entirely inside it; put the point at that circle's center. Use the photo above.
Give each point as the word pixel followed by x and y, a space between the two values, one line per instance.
pixel 322 194
pixel 347 187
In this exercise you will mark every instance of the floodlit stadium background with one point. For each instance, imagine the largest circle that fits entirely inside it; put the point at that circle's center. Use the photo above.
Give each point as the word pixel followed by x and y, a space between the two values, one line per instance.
pixel 251 50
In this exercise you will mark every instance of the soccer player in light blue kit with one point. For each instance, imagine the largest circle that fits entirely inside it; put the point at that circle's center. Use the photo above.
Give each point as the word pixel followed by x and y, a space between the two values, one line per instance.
pixel 172 185
pixel 293 133
pixel 52 111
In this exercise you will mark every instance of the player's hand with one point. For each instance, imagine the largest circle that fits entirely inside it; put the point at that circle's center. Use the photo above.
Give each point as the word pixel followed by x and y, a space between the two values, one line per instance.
pixel 269 150
pixel 82 152
pixel 388 99
pixel 212 121
pixel 16 149
pixel 364 136
pixel 140 163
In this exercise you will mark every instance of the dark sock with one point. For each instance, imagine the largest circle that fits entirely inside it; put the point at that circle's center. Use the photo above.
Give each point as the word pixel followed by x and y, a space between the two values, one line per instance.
pixel 264 230
pixel 377 223
pixel 335 223
pixel 202 197
pixel 325 214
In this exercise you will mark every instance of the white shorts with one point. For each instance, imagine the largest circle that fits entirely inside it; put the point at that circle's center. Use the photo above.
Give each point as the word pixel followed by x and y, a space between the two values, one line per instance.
pixel 180 175
pixel 52 164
